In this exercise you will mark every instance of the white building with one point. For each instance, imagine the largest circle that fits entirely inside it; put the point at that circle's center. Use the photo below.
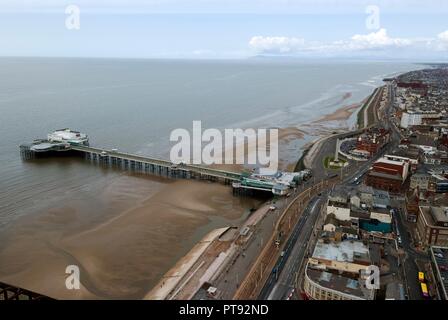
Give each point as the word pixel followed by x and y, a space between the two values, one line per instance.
pixel 341 212
pixel 338 271
pixel 410 119
pixel 68 136
pixel 414 118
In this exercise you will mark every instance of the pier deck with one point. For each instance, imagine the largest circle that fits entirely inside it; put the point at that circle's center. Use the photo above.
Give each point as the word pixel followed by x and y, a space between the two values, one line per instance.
pixel 138 163
pixel 148 163
pixel 278 183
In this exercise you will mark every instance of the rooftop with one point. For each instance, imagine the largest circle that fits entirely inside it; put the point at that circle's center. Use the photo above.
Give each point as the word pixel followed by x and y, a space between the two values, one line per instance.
pixel 345 251
pixel 440 214
pixel 340 283
pixel 67 135
pixel 435 216
pixel 396 162
pixel 439 256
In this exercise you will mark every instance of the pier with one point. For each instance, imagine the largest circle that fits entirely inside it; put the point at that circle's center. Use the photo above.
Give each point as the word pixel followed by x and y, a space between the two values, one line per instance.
pixel 65 142
pixel 10 292
pixel 132 162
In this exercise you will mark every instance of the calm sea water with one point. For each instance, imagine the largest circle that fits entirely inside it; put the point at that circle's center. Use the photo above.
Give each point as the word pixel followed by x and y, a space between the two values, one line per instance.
pixel 134 104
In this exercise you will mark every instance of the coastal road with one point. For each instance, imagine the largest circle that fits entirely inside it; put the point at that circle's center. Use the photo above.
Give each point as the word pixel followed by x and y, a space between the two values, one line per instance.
pixel 282 280
pixel 231 279
pixel 410 267
pixel 328 145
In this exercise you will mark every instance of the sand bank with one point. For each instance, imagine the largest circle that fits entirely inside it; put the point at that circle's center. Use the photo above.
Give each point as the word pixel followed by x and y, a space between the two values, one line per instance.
pixel 122 252
pixel 286 136
pixel 341 114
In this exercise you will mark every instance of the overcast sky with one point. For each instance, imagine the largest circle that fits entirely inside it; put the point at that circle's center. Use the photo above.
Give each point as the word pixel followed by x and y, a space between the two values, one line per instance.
pixel 412 29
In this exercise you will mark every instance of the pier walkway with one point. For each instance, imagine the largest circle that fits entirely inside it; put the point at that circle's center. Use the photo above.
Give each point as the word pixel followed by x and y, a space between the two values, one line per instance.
pixel 144 164
pixel 242 182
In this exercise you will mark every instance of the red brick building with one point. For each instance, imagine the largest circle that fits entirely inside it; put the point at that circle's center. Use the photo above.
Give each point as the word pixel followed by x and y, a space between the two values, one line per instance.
pixel 373 140
pixel 388 175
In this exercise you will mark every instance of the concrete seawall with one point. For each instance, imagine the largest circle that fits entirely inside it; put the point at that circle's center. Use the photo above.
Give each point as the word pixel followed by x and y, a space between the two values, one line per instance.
pixel 173 278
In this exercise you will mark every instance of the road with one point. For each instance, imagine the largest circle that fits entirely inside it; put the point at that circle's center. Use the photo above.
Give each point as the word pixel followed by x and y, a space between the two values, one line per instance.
pixel 410 267
pixel 230 280
pixel 281 281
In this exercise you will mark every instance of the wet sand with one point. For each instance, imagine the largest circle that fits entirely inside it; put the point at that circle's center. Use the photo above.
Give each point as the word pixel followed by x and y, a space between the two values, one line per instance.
pixel 288 155
pixel 342 114
pixel 121 254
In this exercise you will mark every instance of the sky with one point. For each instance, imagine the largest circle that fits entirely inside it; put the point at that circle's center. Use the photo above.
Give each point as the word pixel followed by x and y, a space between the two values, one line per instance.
pixel 225 29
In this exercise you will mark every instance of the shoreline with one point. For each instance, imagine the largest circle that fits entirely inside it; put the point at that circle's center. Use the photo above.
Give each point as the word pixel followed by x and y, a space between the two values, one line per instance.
pixel 341 114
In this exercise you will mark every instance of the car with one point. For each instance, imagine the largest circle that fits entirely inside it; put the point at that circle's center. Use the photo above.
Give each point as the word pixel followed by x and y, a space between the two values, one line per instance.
pixel 399 240
pixel 272 208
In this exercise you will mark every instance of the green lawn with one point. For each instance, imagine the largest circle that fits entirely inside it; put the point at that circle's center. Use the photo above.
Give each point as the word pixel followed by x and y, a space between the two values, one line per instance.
pixel 329 159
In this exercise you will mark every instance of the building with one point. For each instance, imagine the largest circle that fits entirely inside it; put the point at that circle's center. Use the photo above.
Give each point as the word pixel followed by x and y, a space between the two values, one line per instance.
pixel 360 208
pixel 432 225
pixel 371 141
pixel 410 118
pixel 338 230
pixel 417 117
pixel 420 181
pixel 439 180
pixel 338 271
pixel 339 203
pixel 412 206
pixel 387 174
pixel 412 160
pixel 68 136
pixel 439 265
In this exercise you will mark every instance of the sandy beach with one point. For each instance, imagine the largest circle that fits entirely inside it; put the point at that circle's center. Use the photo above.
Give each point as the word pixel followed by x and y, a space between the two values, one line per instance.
pixel 121 254
pixel 341 114
pixel 287 159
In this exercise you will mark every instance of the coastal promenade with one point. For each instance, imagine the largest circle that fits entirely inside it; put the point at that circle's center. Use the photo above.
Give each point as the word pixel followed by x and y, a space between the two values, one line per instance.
pixel 314 157
pixel 217 260
pixel 260 271
pixel 180 276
